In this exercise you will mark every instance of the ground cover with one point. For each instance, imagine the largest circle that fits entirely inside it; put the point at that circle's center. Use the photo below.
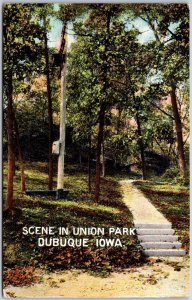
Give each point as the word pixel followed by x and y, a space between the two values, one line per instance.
pixel 22 254
pixel 168 277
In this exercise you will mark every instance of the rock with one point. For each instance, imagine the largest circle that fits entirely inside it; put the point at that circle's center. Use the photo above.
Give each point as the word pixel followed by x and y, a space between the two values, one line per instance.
pixel 178 268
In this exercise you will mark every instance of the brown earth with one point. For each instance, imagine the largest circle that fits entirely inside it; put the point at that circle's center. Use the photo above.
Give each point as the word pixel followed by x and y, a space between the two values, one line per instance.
pixel 162 277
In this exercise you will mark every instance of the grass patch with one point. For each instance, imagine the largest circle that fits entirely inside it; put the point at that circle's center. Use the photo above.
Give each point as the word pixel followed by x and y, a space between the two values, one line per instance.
pixel 76 210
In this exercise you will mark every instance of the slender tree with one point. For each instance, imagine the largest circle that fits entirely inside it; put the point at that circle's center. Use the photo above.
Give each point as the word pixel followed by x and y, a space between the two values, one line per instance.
pixel 20 154
pixel 10 136
pixel 172 55
pixel 18 25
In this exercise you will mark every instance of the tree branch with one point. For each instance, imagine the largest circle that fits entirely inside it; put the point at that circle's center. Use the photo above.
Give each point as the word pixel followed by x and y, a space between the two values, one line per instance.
pixel 155 105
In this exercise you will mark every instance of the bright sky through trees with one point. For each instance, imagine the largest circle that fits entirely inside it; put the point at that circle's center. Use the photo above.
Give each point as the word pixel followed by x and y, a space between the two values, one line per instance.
pixel 56 27
pixel 55 33
pixel 146 35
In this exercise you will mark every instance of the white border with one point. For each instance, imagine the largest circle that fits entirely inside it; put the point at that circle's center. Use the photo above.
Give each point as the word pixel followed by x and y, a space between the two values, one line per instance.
pixel 1 118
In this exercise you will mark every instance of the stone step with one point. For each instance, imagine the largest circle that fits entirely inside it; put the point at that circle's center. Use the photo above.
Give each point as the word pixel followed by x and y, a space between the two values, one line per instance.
pixel 158 238
pixel 161 245
pixel 148 225
pixel 164 252
pixel 155 231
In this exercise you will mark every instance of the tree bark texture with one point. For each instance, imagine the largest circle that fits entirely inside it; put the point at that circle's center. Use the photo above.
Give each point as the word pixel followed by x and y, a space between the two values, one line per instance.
pixel 89 165
pixel 178 126
pixel 10 136
pixel 102 108
pixel 20 153
pixel 141 146
pixel 103 159
pixel 98 153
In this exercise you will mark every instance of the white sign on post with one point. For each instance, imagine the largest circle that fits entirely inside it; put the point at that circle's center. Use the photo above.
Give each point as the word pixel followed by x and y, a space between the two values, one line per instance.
pixel 56 147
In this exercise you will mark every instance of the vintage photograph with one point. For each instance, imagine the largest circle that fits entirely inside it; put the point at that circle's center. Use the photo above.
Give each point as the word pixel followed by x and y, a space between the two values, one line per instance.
pixel 95 150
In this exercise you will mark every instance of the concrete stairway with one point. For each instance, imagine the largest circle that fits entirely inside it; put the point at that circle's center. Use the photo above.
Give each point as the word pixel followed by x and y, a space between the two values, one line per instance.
pixel 154 231
pixel 159 240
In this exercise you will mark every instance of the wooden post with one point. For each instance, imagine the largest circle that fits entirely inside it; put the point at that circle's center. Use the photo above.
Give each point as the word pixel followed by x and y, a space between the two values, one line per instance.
pixel 60 176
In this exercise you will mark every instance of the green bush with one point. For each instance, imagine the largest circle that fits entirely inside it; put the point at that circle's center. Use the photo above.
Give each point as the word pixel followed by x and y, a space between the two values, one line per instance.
pixel 175 210
pixel 171 173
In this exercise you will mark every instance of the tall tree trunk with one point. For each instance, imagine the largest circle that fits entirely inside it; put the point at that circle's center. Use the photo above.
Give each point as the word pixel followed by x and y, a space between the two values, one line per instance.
pixel 50 111
pixel 80 158
pixel 98 155
pixel 103 160
pixel 104 81
pixel 141 145
pixel 119 120
pixel 11 158
pixel 63 68
pixel 29 143
pixel 178 126
pixel 21 161
pixel 89 165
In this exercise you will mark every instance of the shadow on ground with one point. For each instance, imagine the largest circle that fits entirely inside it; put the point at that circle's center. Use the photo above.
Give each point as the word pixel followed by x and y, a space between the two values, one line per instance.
pixel 78 210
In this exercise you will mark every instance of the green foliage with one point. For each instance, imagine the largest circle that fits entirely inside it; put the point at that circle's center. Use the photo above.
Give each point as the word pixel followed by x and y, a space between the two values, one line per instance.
pixel 171 173
pixel 175 210
pixel 106 65
pixel 172 45
pixel 129 65
pixel 23 47
pixel 22 39
pixel 131 68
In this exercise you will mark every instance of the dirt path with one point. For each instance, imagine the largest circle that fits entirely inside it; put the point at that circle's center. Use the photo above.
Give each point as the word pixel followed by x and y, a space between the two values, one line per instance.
pixel 143 211
pixel 159 278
